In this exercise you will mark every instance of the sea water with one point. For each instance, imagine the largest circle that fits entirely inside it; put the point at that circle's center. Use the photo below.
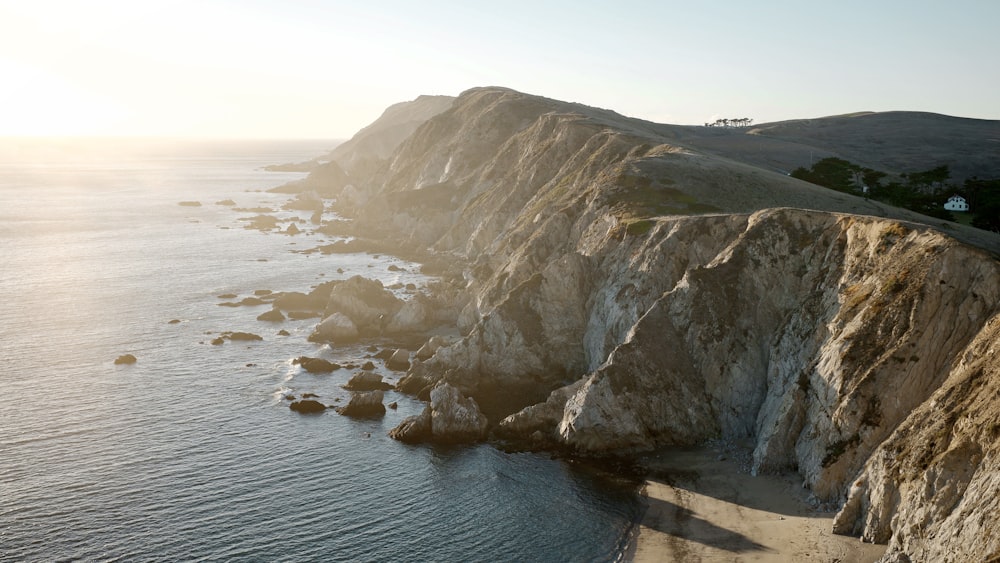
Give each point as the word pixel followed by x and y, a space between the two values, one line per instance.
pixel 192 452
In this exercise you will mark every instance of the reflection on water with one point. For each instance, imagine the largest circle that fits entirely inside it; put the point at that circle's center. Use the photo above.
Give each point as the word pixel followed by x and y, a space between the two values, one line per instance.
pixel 191 453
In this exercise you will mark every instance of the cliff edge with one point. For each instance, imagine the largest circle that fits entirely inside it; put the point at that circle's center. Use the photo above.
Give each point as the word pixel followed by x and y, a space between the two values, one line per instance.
pixel 629 290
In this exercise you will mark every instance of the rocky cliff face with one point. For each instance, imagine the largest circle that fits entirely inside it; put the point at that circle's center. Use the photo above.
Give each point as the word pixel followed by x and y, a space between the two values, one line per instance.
pixel 657 295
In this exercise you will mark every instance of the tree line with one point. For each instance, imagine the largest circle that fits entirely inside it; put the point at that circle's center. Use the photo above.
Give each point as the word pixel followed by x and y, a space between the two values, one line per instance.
pixel 924 192
pixel 731 122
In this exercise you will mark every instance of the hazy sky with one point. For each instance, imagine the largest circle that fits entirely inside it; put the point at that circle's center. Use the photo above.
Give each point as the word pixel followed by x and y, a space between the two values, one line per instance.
pixel 323 69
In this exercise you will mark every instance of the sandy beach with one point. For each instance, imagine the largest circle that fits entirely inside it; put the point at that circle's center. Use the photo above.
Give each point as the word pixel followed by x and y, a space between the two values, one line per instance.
pixel 704 506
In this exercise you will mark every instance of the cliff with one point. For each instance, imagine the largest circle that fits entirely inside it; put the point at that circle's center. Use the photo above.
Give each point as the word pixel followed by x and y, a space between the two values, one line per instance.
pixel 630 290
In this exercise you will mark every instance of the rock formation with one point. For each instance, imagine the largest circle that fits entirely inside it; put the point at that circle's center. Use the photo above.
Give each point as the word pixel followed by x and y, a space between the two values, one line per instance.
pixel 625 288
pixel 450 417
pixel 364 404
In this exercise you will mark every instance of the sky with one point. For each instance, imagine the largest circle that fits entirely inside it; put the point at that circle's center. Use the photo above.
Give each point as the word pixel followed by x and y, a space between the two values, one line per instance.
pixel 324 69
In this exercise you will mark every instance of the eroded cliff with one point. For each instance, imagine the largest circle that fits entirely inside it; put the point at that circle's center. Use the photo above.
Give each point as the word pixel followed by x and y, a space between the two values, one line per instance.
pixel 628 292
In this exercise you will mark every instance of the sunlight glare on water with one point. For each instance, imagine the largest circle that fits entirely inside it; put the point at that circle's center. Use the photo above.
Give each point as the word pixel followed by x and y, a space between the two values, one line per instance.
pixel 192 453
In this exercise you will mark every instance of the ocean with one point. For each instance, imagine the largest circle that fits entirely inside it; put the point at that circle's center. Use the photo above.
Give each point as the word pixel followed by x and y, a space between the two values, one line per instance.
pixel 192 453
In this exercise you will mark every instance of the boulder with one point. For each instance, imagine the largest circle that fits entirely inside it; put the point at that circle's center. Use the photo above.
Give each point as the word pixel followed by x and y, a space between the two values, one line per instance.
pixel 450 418
pixel 292 229
pixel 366 381
pixel 272 316
pixel 335 328
pixel 316 365
pixel 413 316
pixel 125 359
pixel 262 222
pixel 307 406
pixel 399 361
pixel 366 302
pixel 454 417
pixel 413 429
pixel 430 347
pixel 244 336
pixel 364 404
pixel 368 366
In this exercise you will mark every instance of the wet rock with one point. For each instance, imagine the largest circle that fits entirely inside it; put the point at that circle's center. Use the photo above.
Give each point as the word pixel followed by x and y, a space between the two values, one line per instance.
pixel 430 347
pixel 189 203
pixel 366 302
pixel 414 429
pixel 316 365
pixel 273 316
pixel 364 404
pixel 246 336
pixel 450 418
pixel 367 366
pixel 400 360
pixel 125 359
pixel 367 381
pixel 337 328
pixel 307 406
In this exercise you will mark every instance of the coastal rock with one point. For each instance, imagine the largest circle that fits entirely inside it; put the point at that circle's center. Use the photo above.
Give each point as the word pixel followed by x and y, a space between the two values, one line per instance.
pixel 273 316
pixel 364 404
pixel 125 359
pixel 337 328
pixel 307 406
pixel 262 222
pixel 316 365
pixel 412 316
pixel 365 302
pixel 399 361
pixel 367 381
pixel 292 229
pixel 414 429
pixel 425 352
pixel 245 336
pixel 454 417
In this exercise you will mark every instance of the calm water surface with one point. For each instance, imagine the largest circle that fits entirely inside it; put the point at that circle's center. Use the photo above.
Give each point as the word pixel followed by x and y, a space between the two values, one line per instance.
pixel 192 453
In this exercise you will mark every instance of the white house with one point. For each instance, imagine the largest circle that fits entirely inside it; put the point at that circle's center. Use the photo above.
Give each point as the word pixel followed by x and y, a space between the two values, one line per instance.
pixel 956 203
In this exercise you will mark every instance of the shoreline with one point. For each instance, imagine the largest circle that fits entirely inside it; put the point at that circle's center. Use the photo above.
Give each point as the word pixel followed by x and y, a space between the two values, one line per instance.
pixel 702 505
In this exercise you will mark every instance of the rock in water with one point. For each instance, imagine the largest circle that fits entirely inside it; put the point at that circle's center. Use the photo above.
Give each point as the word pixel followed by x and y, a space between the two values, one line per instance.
pixel 414 429
pixel 316 365
pixel 307 406
pixel 430 347
pixel 337 328
pixel 364 404
pixel 274 316
pixel 249 336
pixel 125 359
pixel 367 381
pixel 399 361
pixel 365 302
